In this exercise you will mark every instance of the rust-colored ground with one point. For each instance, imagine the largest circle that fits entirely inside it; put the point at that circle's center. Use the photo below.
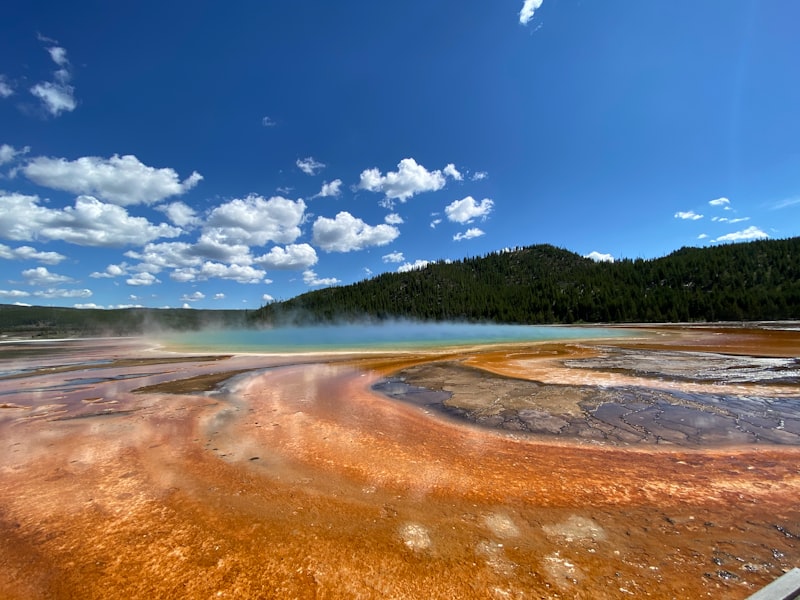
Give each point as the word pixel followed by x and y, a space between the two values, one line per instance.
pixel 298 481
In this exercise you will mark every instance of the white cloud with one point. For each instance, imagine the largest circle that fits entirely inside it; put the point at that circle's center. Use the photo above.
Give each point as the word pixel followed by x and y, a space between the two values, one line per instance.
pixel 688 215
pixel 29 253
pixel 268 122
pixel 41 276
pixel 310 278
pixel 702 236
pixel 346 233
pixel 122 180
pixel 267 298
pixel 110 272
pixel 469 234
pixel 720 202
pixel 415 266
pixel 393 257
pixel 14 294
pixel 221 245
pixel 751 233
pixel 9 153
pixel 330 189
pixel 256 221
pixel 87 305
pixel 180 213
pixel 293 256
pixel 393 219
pixel 58 95
pixel 89 223
pixel 61 293
pixel 193 297
pixel 435 222
pixel 479 176
pixel 599 257
pixel 451 171
pixel 219 296
pixel 309 166
pixel 528 8
pixel 209 269
pixel 727 220
pixel 409 179
pixel 467 209
pixel 155 257
pixel 785 203
pixel 142 279
pixel 5 88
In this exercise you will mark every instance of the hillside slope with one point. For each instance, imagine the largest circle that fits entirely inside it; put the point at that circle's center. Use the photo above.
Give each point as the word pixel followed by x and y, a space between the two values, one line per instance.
pixel 543 284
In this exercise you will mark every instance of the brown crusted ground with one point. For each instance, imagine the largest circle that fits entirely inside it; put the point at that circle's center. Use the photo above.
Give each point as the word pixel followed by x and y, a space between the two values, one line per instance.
pixel 303 483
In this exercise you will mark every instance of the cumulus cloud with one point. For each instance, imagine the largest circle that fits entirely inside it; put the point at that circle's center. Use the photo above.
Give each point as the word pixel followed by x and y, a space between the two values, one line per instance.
pixel 142 279
pixel 751 233
pixel 724 202
pixel 180 213
pixel 267 298
pixel 479 176
pixel 529 7
pixel 451 171
pixel 5 88
pixel 330 189
pixel 702 236
pixel 469 234
pixel 219 296
pixel 467 209
pixel 121 180
pixel 346 233
pixel 293 256
pixel 688 215
pixel 309 165
pixel 89 223
pixel 209 270
pixel 111 271
pixel 415 266
pixel 310 278
pixel 14 294
pixel 48 293
pixel 155 257
pixel 8 153
pixel 393 257
pixel 41 276
pixel 599 257
pixel 409 179
pixel 256 221
pixel 193 297
pixel 29 253
pixel 435 222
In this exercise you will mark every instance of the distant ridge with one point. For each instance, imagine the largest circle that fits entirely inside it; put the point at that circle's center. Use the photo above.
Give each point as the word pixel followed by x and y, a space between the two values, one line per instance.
pixel 757 280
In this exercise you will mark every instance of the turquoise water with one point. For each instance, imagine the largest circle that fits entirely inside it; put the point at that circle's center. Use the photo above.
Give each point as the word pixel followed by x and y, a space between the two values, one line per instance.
pixel 393 336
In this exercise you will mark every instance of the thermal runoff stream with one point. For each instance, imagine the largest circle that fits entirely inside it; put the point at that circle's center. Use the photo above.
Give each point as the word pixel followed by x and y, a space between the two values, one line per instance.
pixel 405 461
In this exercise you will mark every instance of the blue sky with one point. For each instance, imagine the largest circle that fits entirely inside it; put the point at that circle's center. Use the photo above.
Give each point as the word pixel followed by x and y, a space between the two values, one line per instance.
pixel 219 155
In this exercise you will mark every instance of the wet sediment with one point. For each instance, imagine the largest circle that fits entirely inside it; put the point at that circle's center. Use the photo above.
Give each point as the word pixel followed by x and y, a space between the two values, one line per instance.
pixel 300 481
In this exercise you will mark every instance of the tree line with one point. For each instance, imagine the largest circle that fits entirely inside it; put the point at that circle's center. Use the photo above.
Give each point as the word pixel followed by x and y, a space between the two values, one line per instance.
pixel 757 280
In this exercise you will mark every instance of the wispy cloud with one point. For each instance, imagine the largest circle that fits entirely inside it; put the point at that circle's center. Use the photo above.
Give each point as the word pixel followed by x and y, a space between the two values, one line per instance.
pixel 688 215
pixel 58 95
pixel 309 165
pixel 724 202
pixel 786 203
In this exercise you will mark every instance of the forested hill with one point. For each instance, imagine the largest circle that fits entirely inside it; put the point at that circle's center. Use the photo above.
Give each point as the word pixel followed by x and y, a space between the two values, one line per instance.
pixel 542 284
